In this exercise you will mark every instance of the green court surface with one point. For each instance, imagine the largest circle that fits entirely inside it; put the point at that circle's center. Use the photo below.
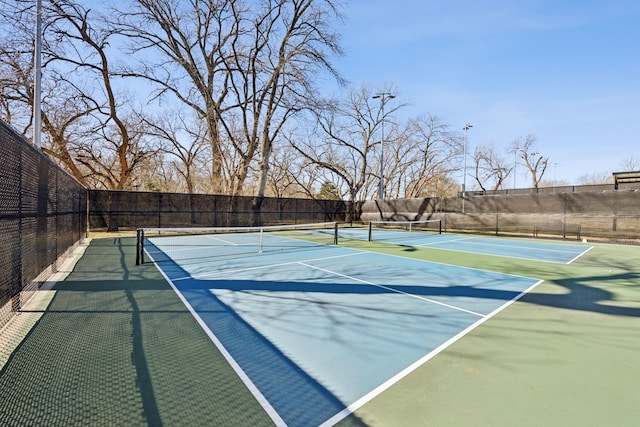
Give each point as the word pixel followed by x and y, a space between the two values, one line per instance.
pixel 116 346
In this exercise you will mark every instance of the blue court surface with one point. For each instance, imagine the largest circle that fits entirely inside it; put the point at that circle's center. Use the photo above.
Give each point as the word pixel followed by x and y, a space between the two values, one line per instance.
pixel 315 333
pixel 536 250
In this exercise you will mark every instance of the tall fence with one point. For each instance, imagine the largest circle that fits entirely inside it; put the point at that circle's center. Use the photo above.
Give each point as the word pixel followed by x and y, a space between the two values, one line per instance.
pixel 127 210
pixel 42 214
pixel 609 214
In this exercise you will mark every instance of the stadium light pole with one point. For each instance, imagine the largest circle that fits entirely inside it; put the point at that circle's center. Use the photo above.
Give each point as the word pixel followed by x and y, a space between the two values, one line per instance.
pixel 384 97
pixel 464 169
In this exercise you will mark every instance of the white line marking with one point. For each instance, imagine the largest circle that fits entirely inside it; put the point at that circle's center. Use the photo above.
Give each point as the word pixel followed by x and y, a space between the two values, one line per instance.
pixel 439 242
pixel 529 248
pixel 387 384
pixel 366 282
pixel 275 417
pixel 390 382
pixel 497 255
pixel 222 240
pixel 447 264
pixel 548 249
pixel 212 275
pixel 579 255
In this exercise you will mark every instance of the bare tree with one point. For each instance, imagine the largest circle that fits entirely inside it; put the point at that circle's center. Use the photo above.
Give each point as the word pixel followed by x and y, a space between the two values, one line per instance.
pixel 595 178
pixel 89 125
pixel 116 129
pixel 63 112
pixel 630 164
pixel 181 46
pixel 419 156
pixel 534 161
pixel 244 69
pixel 292 42
pixel 490 168
pixel 16 63
pixel 183 141
pixel 291 175
pixel 432 150
pixel 344 141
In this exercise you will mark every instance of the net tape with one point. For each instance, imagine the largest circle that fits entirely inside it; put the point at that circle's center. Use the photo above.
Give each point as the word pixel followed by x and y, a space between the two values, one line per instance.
pixel 404 228
pixel 172 243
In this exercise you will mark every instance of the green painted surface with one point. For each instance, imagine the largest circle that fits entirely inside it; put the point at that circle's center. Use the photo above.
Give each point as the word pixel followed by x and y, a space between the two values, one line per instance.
pixel 565 355
pixel 117 347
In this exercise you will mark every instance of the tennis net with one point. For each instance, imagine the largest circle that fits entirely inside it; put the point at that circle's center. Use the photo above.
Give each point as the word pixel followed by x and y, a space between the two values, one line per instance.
pixel 172 244
pixel 387 230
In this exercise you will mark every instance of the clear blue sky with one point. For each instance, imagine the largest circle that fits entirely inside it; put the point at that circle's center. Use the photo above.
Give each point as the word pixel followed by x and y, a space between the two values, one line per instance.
pixel 567 71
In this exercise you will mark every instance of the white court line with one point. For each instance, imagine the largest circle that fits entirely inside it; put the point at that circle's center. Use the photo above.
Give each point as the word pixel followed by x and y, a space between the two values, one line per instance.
pixel 223 240
pixel 546 249
pixel 366 282
pixel 208 236
pixel 446 241
pixel 448 264
pixel 579 255
pixel 387 384
pixel 211 275
pixel 504 246
pixel 270 410
pixel 393 380
pixel 508 256
pixel 158 248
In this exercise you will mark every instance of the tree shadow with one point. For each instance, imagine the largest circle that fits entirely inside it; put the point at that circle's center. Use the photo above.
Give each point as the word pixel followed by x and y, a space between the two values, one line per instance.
pixel 584 297
pixel 126 351
pixel 128 343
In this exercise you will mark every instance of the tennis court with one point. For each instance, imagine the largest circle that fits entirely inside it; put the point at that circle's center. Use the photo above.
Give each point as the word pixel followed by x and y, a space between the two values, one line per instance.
pixel 290 328
pixel 431 236
pixel 338 325
pixel 335 324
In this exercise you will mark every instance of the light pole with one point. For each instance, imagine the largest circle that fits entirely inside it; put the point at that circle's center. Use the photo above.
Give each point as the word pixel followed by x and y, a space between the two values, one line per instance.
pixel 464 169
pixel 37 78
pixel 515 165
pixel 383 96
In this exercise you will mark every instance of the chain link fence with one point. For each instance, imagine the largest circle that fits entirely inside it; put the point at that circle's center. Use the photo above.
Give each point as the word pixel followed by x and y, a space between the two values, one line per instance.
pixel 128 210
pixel 42 215
pixel 606 214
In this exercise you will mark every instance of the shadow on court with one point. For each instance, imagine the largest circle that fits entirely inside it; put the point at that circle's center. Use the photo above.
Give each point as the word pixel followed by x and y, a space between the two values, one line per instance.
pixel 116 346
pixel 585 297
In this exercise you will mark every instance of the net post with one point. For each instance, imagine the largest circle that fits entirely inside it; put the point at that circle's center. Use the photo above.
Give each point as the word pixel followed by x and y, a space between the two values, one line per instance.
pixel 439 226
pixel 261 237
pixel 139 246
pixel 335 234
pixel 370 226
